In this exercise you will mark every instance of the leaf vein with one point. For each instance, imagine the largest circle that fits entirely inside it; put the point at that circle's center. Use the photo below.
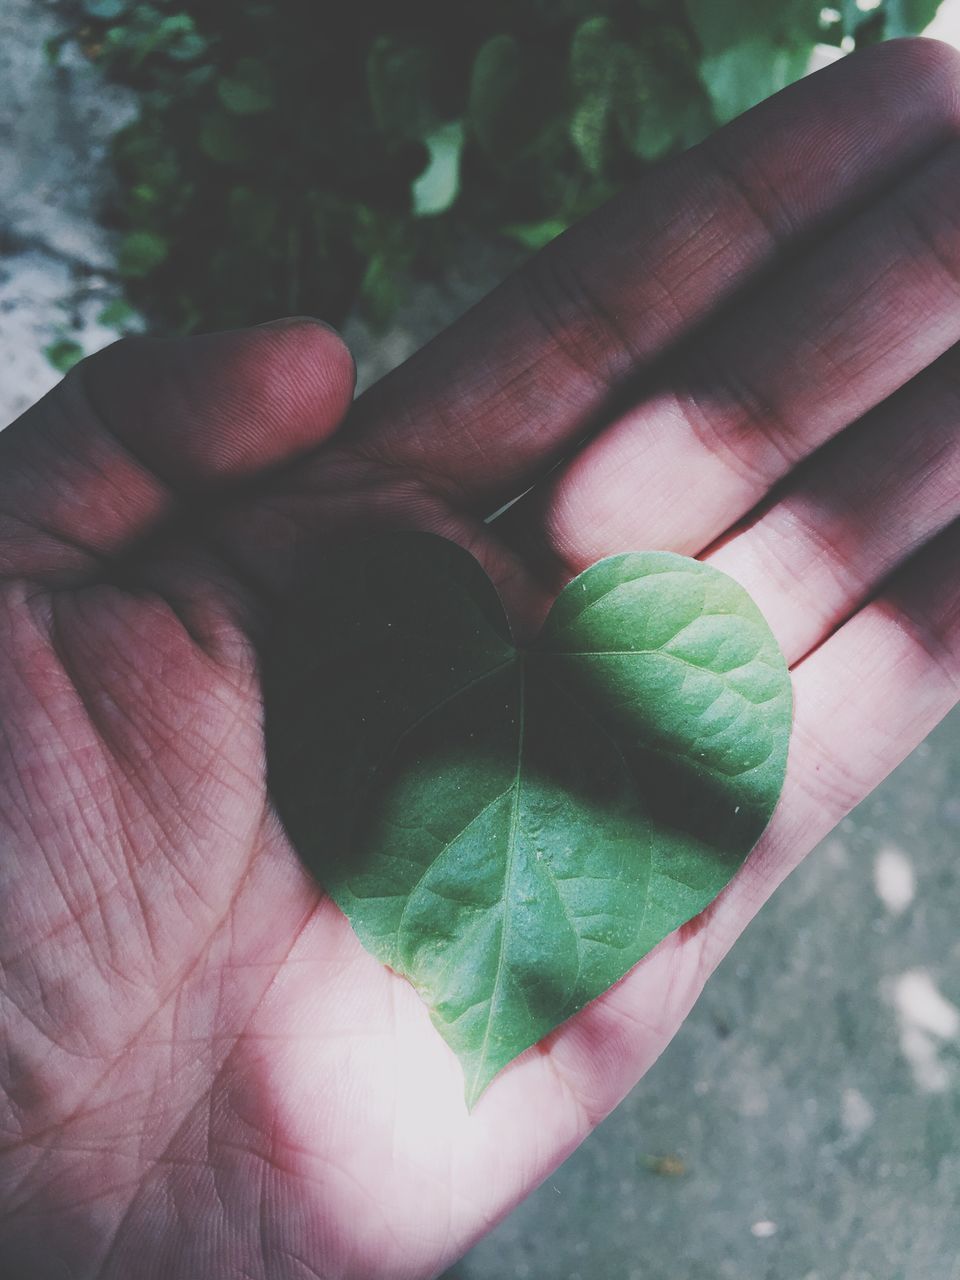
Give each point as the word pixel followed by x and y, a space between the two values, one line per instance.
pixel 431 711
pixel 508 874
pixel 443 851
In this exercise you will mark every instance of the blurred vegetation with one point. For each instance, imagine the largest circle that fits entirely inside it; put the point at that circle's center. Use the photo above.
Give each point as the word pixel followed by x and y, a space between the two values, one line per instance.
pixel 295 156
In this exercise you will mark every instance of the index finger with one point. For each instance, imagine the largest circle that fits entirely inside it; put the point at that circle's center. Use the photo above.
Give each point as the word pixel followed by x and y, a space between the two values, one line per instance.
pixel 501 395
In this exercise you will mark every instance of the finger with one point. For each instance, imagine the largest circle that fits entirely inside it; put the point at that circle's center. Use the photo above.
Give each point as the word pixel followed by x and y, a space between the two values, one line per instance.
pixel 486 407
pixel 863 701
pixel 860 506
pixel 130 431
pixel 819 344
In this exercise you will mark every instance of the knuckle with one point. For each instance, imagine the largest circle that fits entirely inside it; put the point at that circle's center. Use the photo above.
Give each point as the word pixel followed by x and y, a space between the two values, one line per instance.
pixel 575 318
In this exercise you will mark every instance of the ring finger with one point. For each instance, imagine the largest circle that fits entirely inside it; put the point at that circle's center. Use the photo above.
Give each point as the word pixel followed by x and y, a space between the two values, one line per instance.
pixel 845 520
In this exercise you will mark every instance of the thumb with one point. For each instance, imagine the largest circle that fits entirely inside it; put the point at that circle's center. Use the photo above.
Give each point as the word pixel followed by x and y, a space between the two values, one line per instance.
pixel 131 430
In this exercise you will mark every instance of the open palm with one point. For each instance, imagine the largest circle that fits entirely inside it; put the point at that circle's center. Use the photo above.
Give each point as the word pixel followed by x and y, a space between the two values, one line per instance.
pixel 750 357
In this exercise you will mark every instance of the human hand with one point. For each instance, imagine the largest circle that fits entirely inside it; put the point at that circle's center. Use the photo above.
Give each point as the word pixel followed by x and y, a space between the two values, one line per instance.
pixel 203 1073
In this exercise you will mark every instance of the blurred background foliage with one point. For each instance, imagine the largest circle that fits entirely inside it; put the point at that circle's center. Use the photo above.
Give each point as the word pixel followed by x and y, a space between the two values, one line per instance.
pixel 293 156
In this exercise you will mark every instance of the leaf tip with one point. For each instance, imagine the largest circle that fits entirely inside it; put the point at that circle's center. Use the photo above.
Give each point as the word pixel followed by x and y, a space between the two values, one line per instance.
pixel 475 1084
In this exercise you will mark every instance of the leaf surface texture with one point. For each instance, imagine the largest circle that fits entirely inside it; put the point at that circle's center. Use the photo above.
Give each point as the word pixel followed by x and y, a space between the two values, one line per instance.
pixel 512 830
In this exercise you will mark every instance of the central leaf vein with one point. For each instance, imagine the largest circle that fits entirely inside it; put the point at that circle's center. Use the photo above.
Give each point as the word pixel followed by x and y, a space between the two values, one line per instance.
pixel 649 850
pixel 508 874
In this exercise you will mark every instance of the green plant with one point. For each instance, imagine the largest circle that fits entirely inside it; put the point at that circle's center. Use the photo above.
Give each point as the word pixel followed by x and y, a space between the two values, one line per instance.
pixel 63 354
pixel 513 829
pixel 279 164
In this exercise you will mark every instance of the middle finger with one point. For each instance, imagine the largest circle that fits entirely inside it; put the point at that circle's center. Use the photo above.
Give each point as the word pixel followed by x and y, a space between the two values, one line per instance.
pixel 813 349
pixel 846 520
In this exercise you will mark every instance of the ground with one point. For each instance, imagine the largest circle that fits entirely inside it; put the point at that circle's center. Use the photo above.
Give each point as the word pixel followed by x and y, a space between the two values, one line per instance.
pixel 805 1125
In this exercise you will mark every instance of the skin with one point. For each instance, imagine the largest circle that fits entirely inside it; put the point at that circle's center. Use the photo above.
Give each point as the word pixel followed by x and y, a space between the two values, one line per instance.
pixel 751 357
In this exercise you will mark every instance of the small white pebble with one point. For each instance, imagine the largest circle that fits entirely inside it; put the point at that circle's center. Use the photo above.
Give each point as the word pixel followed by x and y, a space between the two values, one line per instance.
pixel 764 1229
pixel 893 879
pixel 920 1004
pixel 856 1113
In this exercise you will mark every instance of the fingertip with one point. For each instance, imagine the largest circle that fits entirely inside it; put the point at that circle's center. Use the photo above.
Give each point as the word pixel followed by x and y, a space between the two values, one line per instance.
pixel 225 404
pixel 311 352
pixel 913 77
pixel 924 62
pixel 319 340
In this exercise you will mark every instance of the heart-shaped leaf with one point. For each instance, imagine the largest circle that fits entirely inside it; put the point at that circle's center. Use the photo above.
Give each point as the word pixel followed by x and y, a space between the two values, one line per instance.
pixel 513 829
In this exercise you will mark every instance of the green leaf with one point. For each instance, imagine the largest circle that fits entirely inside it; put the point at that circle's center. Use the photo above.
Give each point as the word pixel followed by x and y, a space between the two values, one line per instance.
pixel 117 314
pixel 512 830
pixel 534 235
pixel 53 48
pixel 222 139
pixel 253 214
pixel 588 130
pixel 494 82
pixel 105 10
pixel 745 74
pixel 435 190
pixel 141 252
pixel 751 48
pixel 399 80
pixel 249 90
pixel 64 354
pixel 591 52
pixel 654 105
pixel 908 17
pixel 188 45
pixel 380 291
pixel 720 24
pixel 144 199
pixel 594 70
